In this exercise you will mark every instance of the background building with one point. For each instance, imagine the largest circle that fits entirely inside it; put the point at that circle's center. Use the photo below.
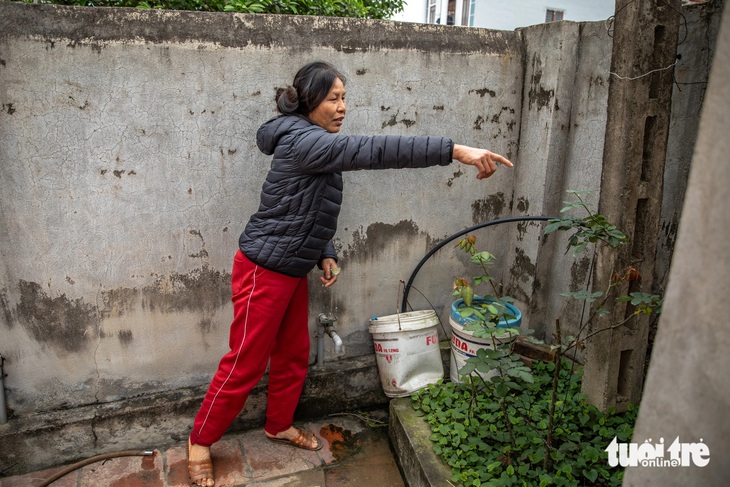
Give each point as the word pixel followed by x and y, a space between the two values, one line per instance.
pixel 501 15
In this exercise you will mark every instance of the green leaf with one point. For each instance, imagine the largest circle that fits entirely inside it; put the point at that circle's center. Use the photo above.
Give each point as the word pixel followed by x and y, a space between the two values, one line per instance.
pixel 591 454
pixel 591 474
pixel 466 312
pixel 467 294
pixel 468 368
pixel 527 377
pixel 553 226
pixel 545 480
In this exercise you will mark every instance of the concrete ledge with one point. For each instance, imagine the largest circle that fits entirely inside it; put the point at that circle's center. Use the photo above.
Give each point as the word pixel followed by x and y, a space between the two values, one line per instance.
pixel 409 434
pixel 160 420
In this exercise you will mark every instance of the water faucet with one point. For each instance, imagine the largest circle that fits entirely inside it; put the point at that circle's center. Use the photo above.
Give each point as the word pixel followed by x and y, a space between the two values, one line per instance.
pixel 326 325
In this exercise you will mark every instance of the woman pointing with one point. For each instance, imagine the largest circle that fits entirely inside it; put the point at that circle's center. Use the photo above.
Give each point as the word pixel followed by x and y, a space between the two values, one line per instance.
pixel 285 239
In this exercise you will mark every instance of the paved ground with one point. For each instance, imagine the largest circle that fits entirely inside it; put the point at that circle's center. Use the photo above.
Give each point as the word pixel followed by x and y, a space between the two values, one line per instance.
pixel 354 455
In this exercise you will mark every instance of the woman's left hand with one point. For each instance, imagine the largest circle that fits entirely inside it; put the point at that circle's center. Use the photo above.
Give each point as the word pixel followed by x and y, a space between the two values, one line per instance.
pixel 330 272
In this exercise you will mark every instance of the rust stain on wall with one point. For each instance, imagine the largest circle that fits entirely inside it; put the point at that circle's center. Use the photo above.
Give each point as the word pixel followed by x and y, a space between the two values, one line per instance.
pixel 199 290
pixel 60 321
pixel 521 230
pixel 70 324
pixel 484 91
pixel 669 233
pixel 478 122
pixel 117 302
pixel 496 117
pixel 487 209
pixel 393 121
pixel 6 308
pixel 125 337
pixel 203 253
pixel 522 269
pixel 523 204
pixel 579 273
pixel 377 236
pixel 457 174
pixel 538 95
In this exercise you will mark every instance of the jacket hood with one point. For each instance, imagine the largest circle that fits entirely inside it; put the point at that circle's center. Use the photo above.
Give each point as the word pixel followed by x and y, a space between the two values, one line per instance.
pixel 269 134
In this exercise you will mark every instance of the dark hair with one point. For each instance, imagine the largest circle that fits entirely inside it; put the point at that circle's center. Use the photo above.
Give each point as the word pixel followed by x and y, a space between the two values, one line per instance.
pixel 310 87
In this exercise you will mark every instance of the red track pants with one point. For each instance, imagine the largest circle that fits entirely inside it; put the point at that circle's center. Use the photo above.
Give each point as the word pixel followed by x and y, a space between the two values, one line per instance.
pixel 270 326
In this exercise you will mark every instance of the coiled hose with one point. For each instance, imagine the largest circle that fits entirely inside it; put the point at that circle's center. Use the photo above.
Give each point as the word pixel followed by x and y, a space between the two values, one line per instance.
pixel 407 288
pixel 94 459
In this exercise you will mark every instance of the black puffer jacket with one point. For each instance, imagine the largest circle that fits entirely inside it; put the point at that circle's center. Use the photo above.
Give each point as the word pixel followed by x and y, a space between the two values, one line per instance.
pixel 300 200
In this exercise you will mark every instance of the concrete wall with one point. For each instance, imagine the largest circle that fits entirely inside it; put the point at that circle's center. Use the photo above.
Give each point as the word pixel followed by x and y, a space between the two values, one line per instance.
pixel 697 49
pixel 561 149
pixel 128 168
pixel 687 394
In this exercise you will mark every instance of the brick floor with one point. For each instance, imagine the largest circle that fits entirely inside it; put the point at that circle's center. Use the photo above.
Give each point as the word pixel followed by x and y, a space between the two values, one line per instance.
pixel 354 455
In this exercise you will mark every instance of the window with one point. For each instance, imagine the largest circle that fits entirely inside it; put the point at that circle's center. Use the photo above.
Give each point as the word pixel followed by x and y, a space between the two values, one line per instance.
pixel 554 15
pixel 451 12
pixel 431 11
pixel 467 13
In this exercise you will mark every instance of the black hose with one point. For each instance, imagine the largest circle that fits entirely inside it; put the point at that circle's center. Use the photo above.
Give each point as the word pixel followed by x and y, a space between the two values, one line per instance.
pixel 97 458
pixel 457 235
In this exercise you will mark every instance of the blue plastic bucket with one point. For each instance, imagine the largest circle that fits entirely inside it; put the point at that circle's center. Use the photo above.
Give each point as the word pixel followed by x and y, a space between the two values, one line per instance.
pixel 465 345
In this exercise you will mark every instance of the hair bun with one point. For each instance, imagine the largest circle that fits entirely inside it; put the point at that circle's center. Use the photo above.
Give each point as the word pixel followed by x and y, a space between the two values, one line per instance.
pixel 287 100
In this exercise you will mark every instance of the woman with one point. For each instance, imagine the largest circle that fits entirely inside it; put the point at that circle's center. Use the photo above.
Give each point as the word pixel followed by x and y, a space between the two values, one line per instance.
pixel 290 234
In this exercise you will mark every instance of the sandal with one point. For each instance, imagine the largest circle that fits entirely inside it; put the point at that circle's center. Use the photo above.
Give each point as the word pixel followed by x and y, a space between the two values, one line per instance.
pixel 200 469
pixel 303 440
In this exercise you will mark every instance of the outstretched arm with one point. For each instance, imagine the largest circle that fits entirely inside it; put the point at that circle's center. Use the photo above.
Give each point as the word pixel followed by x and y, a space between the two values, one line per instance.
pixel 484 160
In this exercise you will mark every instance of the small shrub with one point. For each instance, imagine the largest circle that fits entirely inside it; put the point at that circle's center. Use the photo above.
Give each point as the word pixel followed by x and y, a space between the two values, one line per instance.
pixel 470 432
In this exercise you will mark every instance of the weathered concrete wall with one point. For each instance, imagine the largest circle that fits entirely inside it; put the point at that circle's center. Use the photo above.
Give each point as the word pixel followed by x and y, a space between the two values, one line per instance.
pixel 561 145
pixel 687 394
pixel 128 168
pixel 576 132
pixel 696 50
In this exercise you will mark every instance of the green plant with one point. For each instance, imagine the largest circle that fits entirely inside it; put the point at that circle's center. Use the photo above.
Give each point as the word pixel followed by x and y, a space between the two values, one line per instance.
pixel 591 229
pixel 372 9
pixel 484 314
pixel 534 419
pixel 470 433
pixel 588 229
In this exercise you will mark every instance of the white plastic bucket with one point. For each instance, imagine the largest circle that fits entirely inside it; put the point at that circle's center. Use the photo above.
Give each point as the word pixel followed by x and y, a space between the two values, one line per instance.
pixel 407 351
pixel 465 345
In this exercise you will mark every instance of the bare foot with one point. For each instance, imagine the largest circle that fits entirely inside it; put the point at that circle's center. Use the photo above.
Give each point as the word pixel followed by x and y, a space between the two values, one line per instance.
pixel 200 466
